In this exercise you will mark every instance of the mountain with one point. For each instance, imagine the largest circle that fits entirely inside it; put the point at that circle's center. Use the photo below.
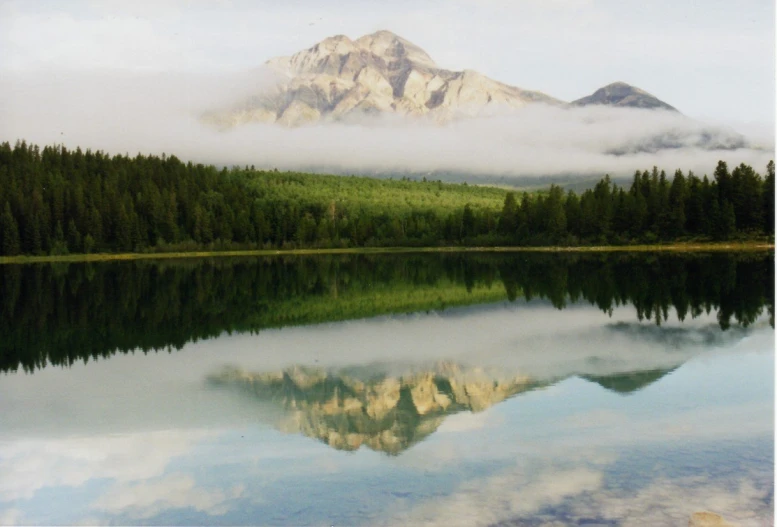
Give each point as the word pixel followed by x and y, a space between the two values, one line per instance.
pixel 354 407
pixel 347 410
pixel 340 79
pixel 623 95
pixel 631 382
pixel 344 80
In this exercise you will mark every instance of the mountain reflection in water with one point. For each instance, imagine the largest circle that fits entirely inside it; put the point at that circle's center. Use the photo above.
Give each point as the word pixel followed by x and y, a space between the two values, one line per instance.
pixel 391 409
pixel 384 413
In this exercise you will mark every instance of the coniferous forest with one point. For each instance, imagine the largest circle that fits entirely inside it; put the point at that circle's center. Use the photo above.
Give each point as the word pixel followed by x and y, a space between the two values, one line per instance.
pixel 59 201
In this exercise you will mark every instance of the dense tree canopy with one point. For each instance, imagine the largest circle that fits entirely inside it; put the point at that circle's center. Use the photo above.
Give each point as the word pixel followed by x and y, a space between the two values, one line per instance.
pixel 57 201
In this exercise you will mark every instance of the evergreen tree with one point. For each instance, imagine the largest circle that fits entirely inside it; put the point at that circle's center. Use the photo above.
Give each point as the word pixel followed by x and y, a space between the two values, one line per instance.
pixel 723 180
pixel 768 200
pixel 508 220
pixel 555 215
pixel 468 221
pixel 9 233
pixel 676 213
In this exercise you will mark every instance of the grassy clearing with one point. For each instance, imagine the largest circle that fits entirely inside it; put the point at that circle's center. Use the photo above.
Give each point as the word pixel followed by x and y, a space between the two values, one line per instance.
pixel 669 247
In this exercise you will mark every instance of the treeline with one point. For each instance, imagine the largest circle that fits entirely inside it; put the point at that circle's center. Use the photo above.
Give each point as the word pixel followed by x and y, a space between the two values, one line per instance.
pixel 62 313
pixel 734 204
pixel 57 201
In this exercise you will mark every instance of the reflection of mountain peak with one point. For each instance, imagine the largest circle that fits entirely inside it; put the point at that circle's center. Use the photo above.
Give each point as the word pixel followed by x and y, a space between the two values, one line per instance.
pixel 628 382
pixel 384 413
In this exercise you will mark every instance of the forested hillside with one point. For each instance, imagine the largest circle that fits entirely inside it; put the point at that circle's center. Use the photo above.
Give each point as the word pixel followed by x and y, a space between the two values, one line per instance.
pixel 58 201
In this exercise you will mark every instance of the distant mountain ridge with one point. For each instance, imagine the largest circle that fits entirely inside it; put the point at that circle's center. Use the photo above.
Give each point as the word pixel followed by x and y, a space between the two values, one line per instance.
pixel 623 95
pixel 389 413
pixel 339 79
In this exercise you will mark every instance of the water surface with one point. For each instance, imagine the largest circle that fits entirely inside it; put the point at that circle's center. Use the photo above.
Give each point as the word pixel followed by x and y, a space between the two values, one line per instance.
pixel 389 390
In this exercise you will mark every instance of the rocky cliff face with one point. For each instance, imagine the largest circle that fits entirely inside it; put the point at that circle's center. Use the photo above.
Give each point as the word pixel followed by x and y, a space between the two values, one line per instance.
pixel 340 79
pixel 387 414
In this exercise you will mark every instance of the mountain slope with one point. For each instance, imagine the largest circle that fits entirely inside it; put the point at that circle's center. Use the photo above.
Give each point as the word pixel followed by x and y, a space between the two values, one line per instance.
pixel 623 95
pixel 340 79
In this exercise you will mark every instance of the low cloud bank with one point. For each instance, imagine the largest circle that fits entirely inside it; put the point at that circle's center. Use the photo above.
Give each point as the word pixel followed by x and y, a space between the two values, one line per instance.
pixel 154 113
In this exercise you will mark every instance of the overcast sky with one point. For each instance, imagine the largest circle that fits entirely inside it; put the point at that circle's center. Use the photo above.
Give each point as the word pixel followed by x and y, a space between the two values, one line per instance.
pixel 713 60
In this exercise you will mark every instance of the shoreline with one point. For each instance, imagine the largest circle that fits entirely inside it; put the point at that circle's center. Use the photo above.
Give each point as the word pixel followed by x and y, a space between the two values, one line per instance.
pixel 669 247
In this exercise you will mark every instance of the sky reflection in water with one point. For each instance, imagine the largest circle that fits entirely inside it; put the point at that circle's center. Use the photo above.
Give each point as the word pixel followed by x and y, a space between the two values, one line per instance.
pixel 599 419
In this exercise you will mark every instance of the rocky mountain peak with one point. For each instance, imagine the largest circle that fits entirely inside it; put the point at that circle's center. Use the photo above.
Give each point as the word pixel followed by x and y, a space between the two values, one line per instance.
pixel 624 95
pixel 338 44
pixel 393 48
pixel 339 79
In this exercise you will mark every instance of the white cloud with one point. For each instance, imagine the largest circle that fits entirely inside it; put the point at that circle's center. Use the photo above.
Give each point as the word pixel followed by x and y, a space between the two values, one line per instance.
pixel 11 517
pixel 744 500
pixel 467 421
pixel 516 491
pixel 29 465
pixel 580 489
pixel 175 491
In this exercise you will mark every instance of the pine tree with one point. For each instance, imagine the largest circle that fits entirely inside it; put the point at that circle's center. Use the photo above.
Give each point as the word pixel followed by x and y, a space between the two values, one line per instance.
pixel 723 179
pixel 9 233
pixel 73 237
pixel 677 198
pixel 468 221
pixel 555 215
pixel 508 221
pixel 768 199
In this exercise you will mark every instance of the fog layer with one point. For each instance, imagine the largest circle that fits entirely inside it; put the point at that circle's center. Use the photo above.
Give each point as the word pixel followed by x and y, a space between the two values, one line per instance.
pixel 155 113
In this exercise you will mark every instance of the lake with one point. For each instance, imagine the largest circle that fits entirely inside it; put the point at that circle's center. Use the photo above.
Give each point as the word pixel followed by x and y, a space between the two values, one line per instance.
pixel 430 389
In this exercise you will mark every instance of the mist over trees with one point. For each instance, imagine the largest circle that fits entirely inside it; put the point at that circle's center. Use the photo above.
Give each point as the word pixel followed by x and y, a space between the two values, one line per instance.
pixel 59 201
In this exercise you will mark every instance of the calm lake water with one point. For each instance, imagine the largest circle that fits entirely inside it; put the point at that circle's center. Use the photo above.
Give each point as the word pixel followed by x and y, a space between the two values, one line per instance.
pixel 502 389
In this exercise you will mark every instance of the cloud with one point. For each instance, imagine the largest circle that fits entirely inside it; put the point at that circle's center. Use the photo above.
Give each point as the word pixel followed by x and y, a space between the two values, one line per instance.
pixel 717 422
pixel 120 112
pixel 176 491
pixel 11 517
pixel 745 500
pixel 467 421
pixel 29 465
pixel 516 491
pixel 564 489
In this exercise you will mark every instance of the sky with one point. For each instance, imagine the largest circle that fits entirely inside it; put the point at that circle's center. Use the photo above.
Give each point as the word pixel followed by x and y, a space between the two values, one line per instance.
pixel 711 60
pixel 120 75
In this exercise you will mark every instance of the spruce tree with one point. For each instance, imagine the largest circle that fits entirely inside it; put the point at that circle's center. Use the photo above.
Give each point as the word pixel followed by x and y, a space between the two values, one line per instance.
pixel 9 233
pixel 768 199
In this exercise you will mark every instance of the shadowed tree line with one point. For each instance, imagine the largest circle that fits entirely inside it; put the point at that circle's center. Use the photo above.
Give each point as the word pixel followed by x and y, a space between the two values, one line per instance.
pixel 734 204
pixel 59 201
pixel 62 313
